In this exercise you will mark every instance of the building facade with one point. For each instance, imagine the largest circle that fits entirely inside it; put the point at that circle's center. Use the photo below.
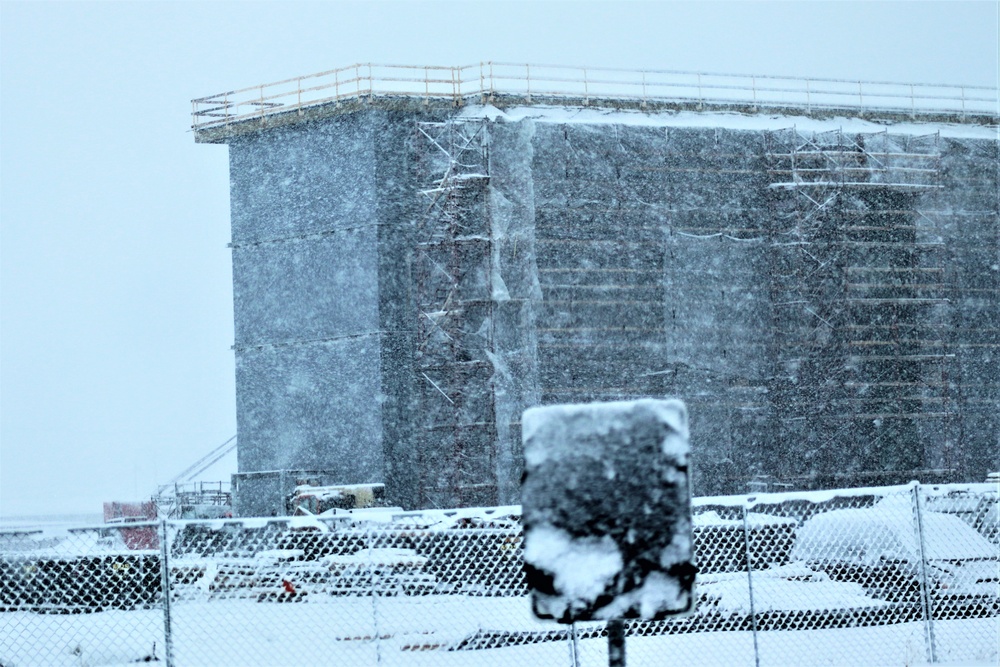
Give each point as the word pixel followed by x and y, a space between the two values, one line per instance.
pixel 410 275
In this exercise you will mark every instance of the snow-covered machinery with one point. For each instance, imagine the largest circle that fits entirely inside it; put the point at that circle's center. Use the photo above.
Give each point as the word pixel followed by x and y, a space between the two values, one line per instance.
pixel 312 499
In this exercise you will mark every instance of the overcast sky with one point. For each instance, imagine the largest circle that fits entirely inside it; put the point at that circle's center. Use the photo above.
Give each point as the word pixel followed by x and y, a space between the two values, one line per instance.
pixel 116 369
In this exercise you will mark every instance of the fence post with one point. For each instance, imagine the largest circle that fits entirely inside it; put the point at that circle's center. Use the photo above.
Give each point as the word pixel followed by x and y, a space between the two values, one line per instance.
pixel 168 638
pixel 753 611
pixel 925 601
pixel 376 583
pixel 482 83
pixel 574 647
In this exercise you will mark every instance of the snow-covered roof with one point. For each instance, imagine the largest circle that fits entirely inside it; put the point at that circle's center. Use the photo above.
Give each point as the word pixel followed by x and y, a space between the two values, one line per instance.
pixel 543 113
pixel 298 98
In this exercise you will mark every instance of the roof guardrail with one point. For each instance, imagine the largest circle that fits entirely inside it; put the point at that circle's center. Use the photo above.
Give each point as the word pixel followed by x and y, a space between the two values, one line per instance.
pixel 492 80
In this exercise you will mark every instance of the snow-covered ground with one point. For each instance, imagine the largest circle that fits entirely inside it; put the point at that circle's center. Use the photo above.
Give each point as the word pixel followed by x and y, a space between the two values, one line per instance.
pixel 226 621
pixel 428 631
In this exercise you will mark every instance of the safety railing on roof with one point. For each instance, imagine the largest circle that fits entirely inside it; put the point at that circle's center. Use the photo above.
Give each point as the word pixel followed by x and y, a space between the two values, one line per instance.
pixel 488 81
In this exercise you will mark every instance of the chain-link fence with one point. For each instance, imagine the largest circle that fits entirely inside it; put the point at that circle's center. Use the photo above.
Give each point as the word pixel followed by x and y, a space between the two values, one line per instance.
pixel 88 596
pixel 885 576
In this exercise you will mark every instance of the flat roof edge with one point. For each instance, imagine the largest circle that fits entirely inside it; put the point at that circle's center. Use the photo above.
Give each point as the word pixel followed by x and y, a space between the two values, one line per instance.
pixel 225 131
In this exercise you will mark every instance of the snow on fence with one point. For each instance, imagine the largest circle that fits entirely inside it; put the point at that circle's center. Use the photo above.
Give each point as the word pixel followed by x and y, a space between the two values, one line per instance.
pixel 491 81
pixel 880 576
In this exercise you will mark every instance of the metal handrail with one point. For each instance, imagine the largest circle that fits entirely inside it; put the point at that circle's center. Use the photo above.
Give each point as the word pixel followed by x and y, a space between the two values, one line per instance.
pixel 488 80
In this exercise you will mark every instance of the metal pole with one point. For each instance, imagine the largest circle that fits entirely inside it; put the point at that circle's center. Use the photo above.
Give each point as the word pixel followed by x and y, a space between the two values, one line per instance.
pixel 616 643
pixel 376 582
pixel 925 601
pixel 168 638
pixel 574 647
pixel 753 611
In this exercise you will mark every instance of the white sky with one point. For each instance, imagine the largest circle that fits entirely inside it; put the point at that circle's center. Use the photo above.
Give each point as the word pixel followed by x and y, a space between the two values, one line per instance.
pixel 115 289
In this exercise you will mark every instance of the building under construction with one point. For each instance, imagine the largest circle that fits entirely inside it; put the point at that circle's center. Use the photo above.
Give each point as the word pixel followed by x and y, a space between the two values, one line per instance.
pixel 419 254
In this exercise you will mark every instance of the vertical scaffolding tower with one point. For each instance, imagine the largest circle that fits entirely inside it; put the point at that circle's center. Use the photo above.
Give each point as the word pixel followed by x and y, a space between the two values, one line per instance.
pixel 452 278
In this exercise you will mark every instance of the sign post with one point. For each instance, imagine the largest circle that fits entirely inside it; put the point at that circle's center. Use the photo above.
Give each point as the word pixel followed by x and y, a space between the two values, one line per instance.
pixel 606 506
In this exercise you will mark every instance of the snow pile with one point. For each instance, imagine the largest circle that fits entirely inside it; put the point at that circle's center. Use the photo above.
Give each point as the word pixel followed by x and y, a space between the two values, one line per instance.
pixel 712 518
pixel 793 587
pixel 503 517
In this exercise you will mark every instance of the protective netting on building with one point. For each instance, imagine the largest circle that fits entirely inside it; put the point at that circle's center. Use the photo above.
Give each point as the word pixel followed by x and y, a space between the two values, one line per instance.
pixel 882 576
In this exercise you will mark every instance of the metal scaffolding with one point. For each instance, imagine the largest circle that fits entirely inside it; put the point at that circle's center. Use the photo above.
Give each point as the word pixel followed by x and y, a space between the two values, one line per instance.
pixel 820 165
pixel 452 283
pixel 861 291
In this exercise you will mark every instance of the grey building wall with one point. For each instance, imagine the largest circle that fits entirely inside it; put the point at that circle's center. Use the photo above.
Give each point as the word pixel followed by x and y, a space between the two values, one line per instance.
pixel 307 319
pixel 407 282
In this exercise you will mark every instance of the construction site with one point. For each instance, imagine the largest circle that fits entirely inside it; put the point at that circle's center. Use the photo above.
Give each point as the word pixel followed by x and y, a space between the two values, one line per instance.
pixel 420 254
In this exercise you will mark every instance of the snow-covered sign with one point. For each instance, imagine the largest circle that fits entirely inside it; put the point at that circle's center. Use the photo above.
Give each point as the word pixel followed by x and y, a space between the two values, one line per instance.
pixel 607 510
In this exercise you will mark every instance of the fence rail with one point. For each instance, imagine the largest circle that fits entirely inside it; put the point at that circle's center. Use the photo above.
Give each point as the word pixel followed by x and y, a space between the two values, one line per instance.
pixel 491 81
pixel 882 576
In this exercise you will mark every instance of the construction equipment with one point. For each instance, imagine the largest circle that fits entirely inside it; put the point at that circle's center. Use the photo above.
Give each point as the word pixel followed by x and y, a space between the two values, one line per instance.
pixel 184 498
